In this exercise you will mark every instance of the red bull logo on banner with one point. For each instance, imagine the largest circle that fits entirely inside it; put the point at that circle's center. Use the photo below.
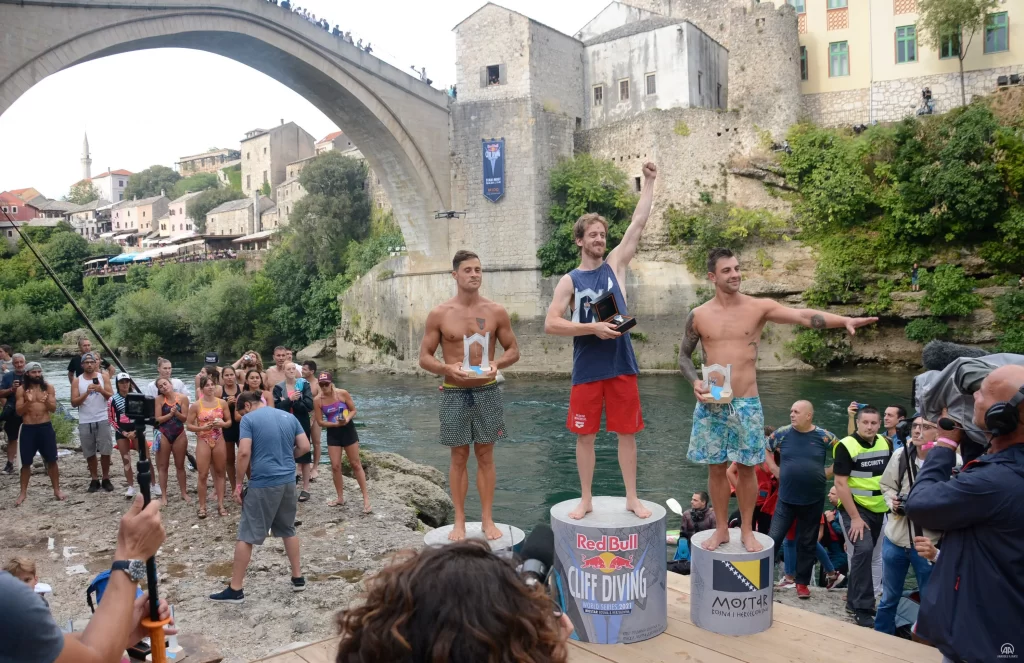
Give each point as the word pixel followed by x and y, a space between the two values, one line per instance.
pixel 608 543
pixel 620 581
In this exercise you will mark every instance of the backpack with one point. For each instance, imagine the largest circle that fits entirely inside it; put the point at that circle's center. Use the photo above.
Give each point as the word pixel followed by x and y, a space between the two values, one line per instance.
pixel 98 586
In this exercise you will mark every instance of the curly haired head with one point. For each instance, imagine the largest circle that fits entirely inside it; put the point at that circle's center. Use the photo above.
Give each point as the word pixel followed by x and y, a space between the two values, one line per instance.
pixel 455 604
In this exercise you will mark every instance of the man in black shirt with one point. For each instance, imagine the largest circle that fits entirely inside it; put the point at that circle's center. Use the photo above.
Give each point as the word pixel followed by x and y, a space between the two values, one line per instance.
pixel 75 365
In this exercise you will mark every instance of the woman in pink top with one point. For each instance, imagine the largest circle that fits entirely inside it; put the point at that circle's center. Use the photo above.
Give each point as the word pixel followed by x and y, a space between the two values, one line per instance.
pixel 208 418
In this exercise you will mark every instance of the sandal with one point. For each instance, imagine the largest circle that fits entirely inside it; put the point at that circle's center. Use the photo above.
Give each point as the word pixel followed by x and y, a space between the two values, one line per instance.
pixel 221 511
pixel 202 514
pixel 303 496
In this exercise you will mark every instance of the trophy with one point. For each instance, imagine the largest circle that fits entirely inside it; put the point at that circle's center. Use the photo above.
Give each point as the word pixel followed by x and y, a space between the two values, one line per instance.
pixel 484 341
pixel 606 309
pixel 720 394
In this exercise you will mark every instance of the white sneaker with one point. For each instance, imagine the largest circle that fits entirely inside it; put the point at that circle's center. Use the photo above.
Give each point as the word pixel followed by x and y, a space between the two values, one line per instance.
pixel 785 583
pixel 156 491
pixel 130 493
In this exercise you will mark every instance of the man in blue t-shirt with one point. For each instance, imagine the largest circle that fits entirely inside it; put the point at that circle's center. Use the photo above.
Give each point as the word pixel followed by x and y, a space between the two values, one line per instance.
pixel 272 439
pixel 803 449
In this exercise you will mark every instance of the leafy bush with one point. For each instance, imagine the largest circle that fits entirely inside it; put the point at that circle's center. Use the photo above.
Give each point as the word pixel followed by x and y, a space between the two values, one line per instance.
pixel 878 297
pixel 18 324
pixel 922 330
pixel 821 347
pixel 1012 340
pixel 194 182
pixel 948 291
pixel 719 224
pixel 64 427
pixel 147 323
pixel 220 315
pixel 840 273
pixel 101 301
pixel 1009 310
pixel 579 186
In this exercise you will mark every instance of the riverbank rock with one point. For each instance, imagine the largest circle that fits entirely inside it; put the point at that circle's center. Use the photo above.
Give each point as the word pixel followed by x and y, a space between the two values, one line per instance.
pixel 59 350
pixel 432 504
pixel 323 348
pixel 72 337
pixel 402 465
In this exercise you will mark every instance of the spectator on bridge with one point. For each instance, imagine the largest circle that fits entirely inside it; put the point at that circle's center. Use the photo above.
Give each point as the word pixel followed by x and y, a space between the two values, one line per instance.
pixel 336 32
pixel 368 49
pixel 359 44
pixel 285 4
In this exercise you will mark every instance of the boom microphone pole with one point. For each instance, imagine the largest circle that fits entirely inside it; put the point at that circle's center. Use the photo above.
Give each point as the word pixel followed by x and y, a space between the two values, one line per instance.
pixel 153 622
pixel 69 297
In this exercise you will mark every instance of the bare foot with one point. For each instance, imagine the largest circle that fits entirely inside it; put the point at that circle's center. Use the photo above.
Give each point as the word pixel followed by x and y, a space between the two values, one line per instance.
pixel 59 496
pixel 366 505
pixel 337 502
pixel 491 530
pixel 314 475
pixel 221 511
pixel 718 538
pixel 186 499
pixel 163 501
pixel 750 542
pixel 637 507
pixel 458 532
pixel 21 498
pixel 582 509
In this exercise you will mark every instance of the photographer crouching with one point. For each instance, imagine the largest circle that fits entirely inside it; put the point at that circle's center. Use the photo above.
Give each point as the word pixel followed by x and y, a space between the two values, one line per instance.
pixel 975 599
pixel 459 603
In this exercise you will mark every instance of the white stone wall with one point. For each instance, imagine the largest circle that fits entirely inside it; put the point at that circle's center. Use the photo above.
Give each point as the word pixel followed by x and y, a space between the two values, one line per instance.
pixel 257 163
pixel 493 36
pixel 613 16
pixel 235 222
pixel 556 71
pixel 895 100
pixel 832 109
pixel 266 158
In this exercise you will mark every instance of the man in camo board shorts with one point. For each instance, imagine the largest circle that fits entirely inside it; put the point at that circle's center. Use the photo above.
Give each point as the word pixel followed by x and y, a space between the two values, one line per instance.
pixel 728 328
pixel 470 407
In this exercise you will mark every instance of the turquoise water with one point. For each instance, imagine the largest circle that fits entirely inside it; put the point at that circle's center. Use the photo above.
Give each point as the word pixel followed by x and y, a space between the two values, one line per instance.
pixel 537 465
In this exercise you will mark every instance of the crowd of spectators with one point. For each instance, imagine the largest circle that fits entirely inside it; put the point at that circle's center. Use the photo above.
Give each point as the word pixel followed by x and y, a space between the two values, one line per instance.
pixel 325 25
pixel 108 270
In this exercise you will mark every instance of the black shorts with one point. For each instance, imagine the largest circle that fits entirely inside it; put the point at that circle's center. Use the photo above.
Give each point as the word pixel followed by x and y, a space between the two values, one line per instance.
pixel 11 426
pixel 305 459
pixel 342 436
pixel 38 438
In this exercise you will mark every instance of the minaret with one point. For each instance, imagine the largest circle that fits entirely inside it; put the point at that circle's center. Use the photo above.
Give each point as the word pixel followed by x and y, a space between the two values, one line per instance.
pixel 86 160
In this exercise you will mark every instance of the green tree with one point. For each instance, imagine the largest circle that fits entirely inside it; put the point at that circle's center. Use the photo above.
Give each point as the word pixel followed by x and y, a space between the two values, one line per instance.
pixel 151 182
pixel 948 291
pixel 196 182
pixel 82 193
pixel 579 186
pixel 335 210
pixel 265 189
pixel 66 252
pixel 198 207
pixel 147 323
pixel 941 20
pixel 234 176
pixel 220 315
pixel 923 330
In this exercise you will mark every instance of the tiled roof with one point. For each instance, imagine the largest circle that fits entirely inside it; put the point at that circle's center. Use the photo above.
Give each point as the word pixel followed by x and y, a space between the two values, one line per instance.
pixel 58 206
pixel 88 207
pixel 137 203
pixel 187 197
pixel 330 137
pixel 113 172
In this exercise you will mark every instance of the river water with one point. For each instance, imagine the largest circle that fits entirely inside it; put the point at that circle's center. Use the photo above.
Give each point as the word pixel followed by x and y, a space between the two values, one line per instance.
pixel 537 465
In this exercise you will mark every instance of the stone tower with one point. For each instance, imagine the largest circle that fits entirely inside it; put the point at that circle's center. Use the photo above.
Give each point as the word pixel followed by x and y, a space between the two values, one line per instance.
pixel 86 160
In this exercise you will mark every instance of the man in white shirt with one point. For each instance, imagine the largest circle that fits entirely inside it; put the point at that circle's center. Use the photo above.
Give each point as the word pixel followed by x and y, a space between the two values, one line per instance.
pixel 89 393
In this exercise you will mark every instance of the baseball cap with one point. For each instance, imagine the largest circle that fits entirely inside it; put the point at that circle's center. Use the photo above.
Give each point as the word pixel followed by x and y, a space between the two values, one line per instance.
pixel 325 376
pixel 33 366
pixel 90 356
pixel 122 376
pixel 212 358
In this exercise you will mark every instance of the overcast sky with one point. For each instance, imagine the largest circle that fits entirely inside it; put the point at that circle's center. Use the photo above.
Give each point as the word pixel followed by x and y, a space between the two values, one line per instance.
pixel 152 107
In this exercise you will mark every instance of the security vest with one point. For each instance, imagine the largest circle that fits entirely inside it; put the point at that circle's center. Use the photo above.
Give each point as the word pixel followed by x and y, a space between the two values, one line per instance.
pixel 866 476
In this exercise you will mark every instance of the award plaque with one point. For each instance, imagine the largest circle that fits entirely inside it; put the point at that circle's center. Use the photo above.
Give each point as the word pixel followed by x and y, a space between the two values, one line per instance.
pixel 606 309
pixel 721 394
pixel 484 341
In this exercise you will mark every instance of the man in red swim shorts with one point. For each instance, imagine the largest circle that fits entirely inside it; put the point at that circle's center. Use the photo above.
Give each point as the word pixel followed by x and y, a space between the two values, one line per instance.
pixel 604 367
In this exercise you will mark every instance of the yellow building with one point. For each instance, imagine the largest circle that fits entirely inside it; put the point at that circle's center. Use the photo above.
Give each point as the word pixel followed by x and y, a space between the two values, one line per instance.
pixel 862 60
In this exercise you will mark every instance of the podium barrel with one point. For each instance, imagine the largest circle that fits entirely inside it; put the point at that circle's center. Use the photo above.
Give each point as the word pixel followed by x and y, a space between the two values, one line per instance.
pixel 730 588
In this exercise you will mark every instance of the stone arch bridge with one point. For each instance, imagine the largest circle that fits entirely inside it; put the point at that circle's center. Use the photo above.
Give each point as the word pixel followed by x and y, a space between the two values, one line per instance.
pixel 399 123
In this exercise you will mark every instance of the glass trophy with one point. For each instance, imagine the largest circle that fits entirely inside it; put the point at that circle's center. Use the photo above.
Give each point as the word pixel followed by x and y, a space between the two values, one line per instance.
pixel 720 394
pixel 484 341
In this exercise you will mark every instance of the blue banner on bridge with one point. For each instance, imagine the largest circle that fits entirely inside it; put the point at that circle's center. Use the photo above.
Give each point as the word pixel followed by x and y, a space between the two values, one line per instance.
pixel 494 169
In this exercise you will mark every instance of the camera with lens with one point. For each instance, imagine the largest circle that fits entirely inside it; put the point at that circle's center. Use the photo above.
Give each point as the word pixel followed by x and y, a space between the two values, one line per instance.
pixel 898 506
pixel 139 407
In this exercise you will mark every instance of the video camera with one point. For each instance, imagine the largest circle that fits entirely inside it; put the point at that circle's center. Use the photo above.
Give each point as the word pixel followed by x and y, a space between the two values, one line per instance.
pixel 139 407
pixel 953 373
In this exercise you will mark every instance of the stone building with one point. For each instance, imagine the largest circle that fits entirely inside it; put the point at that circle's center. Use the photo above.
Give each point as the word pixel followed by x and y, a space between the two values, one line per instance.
pixel 177 221
pixel 111 184
pixel 13 208
pixel 207 162
pixel 863 61
pixel 235 217
pixel 92 219
pixel 56 209
pixel 138 215
pixel 267 153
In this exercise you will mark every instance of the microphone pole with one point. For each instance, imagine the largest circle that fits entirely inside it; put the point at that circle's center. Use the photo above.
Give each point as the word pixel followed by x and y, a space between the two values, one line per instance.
pixel 153 622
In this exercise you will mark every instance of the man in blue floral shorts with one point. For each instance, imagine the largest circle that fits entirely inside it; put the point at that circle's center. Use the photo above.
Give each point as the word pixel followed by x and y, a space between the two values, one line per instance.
pixel 728 328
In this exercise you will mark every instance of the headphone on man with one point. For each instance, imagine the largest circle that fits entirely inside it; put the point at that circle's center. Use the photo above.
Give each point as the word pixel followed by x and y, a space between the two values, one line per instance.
pixel 1003 418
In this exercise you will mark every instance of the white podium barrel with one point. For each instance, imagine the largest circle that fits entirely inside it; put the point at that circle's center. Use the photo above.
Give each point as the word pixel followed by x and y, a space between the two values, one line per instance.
pixel 610 571
pixel 730 588
pixel 511 537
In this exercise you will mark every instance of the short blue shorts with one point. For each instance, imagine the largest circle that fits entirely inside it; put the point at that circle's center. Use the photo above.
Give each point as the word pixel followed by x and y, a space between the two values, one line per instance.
pixel 723 433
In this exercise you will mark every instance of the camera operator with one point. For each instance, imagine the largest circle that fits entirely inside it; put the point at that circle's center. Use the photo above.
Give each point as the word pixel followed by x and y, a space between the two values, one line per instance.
pixel 30 635
pixel 900 537
pixel 458 603
pixel 976 598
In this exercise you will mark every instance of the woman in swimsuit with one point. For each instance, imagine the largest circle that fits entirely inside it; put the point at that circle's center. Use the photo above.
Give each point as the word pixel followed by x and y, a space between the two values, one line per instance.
pixel 207 418
pixel 229 393
pixel 334 409
pixel 254 382
pixel 172 411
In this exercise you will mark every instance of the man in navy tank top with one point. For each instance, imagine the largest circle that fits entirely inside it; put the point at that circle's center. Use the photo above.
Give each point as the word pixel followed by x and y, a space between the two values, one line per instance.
pixel 728 327
pixel 470 408
pixel 604 367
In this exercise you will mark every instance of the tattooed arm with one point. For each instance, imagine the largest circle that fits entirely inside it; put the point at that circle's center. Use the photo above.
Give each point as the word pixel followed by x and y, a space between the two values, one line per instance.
pixel 691 337
pixel 808 317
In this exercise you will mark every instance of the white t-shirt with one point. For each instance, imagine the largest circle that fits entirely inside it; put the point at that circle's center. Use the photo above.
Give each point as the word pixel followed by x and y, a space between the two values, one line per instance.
pixel 179 387
pixel 94 408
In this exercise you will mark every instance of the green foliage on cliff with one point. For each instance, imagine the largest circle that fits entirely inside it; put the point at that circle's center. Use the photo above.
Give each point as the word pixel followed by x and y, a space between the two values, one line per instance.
pixel 923 330
pixel 579 186
pixel 821 347
pixel 151 182
pixel 192 183
pixel 948 291
pixel 1009 310
pixel 701 229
